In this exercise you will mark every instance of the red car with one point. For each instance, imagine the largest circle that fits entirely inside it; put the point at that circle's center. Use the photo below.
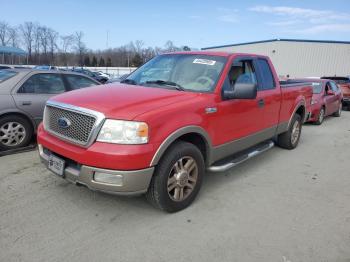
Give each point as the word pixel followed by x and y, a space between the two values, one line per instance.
pixel 161 128
pixel 344 84
pixel 326 99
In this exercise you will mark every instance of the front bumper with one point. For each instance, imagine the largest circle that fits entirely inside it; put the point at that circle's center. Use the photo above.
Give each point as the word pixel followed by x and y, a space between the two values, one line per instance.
pixel 133 182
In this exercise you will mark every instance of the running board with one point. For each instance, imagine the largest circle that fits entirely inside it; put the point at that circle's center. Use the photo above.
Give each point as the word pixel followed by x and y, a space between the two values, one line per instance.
pixel 242 158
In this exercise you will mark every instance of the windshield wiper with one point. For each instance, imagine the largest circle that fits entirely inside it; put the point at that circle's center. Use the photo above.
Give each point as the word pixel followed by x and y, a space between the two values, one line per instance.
pixel 166 83
pixel 128 81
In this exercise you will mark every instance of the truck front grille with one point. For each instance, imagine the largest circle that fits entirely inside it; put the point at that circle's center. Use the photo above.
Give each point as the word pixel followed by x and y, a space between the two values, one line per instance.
pixel 81 126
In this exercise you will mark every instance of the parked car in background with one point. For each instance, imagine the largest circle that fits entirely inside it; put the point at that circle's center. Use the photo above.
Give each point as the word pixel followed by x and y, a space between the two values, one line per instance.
pixel 117 79
pixel 157 133
pixel 45 67
pixel 344 84
pixel 102 74
pixel 326 99
pixel 5 67
pixel 23 94
pixel 91 74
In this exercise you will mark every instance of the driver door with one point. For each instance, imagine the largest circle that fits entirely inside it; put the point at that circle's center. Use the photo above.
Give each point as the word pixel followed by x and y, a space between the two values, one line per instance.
pixel 239 118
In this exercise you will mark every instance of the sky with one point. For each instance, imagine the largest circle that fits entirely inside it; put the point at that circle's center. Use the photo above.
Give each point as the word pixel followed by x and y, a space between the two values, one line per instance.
pixel 193 23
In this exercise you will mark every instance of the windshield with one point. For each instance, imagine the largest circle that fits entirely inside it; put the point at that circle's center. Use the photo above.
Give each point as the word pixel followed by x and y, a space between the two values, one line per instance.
pixel 317 87
pixel 187 72
pixel 5 74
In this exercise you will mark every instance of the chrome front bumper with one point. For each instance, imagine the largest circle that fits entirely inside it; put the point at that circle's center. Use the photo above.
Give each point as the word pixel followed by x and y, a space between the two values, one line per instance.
pixel 133 182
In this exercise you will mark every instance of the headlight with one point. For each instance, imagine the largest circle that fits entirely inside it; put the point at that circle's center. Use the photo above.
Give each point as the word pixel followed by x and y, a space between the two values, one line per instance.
pixel 123 132
pixel 313 101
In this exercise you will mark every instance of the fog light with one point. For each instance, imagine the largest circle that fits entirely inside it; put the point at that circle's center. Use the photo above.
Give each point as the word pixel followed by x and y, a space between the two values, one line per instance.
pixel 108 178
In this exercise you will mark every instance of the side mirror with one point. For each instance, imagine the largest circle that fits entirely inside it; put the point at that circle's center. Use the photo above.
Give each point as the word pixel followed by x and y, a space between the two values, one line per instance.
pixel 330 93
pixel 241 91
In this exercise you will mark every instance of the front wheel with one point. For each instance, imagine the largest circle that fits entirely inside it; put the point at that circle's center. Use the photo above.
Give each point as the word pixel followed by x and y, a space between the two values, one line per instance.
pixel 15 132
pixel 290 139
pixel 178 178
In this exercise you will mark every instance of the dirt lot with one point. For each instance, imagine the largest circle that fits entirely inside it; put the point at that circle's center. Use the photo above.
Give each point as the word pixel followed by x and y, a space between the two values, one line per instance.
pixel 280 206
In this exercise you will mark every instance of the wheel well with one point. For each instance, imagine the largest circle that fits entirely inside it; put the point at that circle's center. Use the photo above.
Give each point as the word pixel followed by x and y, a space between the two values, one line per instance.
pixel 20 115
pixel 301 111
pixel 197 140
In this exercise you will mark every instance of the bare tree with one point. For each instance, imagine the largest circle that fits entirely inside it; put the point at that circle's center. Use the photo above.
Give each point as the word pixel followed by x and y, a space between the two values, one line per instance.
pixel 139 46
pixel 13 36
pixel 4 39
pixel 37 41
pixel 66 43
pixel 27 30
pixel 44 41
pixel 52 39
pixel 80 46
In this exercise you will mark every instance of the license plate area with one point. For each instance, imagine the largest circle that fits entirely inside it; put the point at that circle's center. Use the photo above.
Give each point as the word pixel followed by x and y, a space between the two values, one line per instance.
pixel 56 165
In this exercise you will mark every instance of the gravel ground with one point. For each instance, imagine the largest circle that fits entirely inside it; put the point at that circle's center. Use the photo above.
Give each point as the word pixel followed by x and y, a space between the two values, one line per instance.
pixel 280 206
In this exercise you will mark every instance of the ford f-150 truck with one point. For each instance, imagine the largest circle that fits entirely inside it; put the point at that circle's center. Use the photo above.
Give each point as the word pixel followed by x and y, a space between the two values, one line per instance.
pixel 161 128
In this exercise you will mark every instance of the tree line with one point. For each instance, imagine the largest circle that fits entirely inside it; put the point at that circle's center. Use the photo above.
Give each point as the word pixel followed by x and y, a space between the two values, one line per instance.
pixel 44 45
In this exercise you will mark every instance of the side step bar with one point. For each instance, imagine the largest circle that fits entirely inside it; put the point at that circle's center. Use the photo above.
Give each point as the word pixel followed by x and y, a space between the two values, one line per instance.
pixel 242 158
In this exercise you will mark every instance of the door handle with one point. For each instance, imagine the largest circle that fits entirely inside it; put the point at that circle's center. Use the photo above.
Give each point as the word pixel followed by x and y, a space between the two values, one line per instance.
pixel 26 103
pixel 261 103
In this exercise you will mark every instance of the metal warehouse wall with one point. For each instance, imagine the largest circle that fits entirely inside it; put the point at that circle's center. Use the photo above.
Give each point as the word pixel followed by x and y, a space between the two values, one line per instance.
pixel 301 59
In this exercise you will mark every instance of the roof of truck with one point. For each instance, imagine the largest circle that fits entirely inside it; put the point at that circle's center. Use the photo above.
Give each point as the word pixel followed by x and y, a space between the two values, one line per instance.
pixel 214 53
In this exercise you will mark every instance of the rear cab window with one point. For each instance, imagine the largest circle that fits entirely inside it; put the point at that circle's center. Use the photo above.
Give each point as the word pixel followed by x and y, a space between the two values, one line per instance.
pixel 6 74
pixel 316 87
pixel 267 80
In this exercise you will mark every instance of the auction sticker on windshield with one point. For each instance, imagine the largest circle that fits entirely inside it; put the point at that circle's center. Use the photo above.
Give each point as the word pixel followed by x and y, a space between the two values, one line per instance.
pixel 204 61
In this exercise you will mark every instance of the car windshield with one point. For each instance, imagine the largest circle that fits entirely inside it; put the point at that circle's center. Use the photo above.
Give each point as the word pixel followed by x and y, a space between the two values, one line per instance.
pixel 186 72
pixel 6 74
pixel 317 87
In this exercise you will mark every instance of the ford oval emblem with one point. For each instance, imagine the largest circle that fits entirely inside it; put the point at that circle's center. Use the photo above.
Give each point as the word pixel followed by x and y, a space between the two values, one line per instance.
pixel 63 122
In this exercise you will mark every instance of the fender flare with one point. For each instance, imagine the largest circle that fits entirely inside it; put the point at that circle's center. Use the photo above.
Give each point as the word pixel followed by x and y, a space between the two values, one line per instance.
pixel 175 135
pixel 300 104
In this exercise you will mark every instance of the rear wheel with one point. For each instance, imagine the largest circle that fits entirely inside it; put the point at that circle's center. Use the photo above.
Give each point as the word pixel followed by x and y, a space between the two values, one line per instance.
pixel 290 139
pixel 178 178
pixel 321 116
pixel 15 132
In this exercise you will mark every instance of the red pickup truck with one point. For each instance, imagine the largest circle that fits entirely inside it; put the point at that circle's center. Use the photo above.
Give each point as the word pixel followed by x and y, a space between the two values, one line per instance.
pixel 175 117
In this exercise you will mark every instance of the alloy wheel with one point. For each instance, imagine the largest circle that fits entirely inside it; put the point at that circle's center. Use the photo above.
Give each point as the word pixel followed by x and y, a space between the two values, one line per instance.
pixel 295 132
pixel 182 178
pixel 12 134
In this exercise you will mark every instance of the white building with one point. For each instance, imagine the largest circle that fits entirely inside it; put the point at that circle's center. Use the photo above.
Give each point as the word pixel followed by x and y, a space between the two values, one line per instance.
pixel 299 58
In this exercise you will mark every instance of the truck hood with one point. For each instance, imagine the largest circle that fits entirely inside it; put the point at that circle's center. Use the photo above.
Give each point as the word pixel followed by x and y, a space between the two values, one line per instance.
pixel 120 101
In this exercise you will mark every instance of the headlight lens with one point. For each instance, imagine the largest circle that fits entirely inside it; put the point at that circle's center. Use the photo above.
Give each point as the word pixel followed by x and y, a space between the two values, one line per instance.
pixel 123 132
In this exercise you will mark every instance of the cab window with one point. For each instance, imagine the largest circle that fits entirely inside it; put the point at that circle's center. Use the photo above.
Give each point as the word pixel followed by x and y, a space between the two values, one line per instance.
pixel 242 72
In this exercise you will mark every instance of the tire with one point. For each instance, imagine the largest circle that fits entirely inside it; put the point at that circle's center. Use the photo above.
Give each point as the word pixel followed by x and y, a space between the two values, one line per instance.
pixel 338 113
pixel 288 140
pixel 171 177
pixel 15 132
pixel 321 116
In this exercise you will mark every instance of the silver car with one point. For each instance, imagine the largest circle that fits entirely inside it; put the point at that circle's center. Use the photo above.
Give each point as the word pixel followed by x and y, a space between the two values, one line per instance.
pixel 23 94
